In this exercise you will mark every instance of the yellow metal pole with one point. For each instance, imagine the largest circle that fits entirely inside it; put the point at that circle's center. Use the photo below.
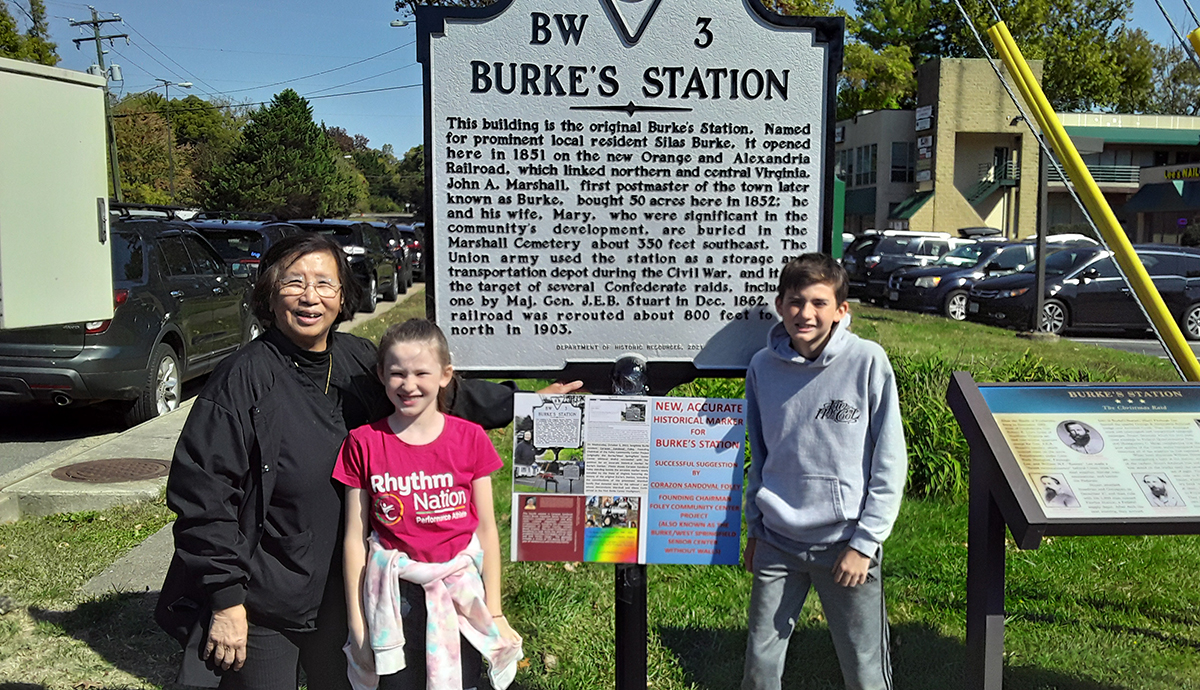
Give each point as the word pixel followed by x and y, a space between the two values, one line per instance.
pixel 1194 38
pixel 1098 207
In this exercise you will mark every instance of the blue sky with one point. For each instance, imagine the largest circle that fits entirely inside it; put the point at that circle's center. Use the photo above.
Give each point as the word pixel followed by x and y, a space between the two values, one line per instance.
pixel 241 49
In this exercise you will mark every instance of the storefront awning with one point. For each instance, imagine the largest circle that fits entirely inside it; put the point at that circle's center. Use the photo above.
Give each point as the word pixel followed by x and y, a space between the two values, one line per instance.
pixel 1165 197
pixel 860 202
pixel 1137 135
pixel 910 206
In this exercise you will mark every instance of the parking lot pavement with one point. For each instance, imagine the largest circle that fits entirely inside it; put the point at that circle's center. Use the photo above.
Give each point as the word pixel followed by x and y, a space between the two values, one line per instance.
pixel 1141 346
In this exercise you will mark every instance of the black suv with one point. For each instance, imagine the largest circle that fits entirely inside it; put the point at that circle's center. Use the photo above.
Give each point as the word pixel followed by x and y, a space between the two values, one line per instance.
pixel 373 265
pixel 1084 289
pixel 396 244
pixel 178 311
pixel 241 243
pixel 942 286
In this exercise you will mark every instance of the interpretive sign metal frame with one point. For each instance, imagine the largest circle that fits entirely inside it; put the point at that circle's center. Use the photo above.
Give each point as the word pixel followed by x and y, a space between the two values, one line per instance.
pixel 1001 495
pixel 725 348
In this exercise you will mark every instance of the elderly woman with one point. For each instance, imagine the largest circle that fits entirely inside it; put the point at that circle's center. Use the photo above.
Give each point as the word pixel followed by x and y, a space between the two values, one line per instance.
pixel 250 481
pixel 250 592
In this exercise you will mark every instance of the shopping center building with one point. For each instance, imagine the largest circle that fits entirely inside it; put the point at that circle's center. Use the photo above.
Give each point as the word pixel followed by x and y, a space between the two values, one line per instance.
pixel 965 158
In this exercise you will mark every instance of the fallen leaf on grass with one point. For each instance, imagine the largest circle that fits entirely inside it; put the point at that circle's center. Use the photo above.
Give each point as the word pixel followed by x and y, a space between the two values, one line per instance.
pixel 87 685
pixel 569 567
pixel 549 661
pixel 522 664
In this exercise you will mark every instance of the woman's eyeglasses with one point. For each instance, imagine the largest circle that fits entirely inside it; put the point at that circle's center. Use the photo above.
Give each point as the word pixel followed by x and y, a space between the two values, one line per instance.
pixel 295 288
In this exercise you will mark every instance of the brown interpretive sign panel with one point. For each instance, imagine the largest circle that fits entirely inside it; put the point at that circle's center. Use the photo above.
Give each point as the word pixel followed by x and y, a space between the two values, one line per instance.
pixel 610 177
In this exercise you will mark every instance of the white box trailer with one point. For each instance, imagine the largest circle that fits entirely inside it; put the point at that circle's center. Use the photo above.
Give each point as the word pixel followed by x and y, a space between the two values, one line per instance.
pixel 55 264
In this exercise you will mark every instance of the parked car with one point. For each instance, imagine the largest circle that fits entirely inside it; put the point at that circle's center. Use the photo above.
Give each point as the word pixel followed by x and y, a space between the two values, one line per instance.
pixel 893 253
pixel 397 245
pixel 942 286
pixel 421 242
pixel 1084 290
pixel 373 266
pixel 860 255
pixel 178 311
pixel 241 243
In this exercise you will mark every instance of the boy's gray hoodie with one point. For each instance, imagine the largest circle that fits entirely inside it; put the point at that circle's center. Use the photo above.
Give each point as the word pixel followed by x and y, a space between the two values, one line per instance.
pixel 827 454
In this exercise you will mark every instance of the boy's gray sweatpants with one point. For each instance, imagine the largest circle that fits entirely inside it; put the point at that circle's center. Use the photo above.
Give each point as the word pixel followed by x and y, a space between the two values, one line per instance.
pixel 856 616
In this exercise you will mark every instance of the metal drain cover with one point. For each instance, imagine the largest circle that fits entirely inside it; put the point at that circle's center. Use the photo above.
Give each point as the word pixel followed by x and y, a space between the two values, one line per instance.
pixel 112 470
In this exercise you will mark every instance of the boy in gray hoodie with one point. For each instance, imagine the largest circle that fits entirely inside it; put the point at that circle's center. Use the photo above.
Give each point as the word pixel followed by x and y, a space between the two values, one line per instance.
pixel 827 471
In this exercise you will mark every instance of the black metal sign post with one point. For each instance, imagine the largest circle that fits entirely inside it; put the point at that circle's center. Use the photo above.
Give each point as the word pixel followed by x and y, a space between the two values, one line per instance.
pixel 630 377
pixel 1001 494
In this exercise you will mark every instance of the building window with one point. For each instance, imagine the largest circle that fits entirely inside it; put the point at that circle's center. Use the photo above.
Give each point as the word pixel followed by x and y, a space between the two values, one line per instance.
pixel 844 166
pixel 865 164
pixel 904 161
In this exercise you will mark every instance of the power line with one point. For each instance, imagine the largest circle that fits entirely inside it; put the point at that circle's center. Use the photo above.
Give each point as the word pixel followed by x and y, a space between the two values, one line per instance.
pixel 327 71
pixel 212 91
pixel 373 76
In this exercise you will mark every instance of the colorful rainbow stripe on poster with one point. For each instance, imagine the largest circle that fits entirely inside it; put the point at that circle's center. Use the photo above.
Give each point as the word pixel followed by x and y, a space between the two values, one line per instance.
pixel 610 545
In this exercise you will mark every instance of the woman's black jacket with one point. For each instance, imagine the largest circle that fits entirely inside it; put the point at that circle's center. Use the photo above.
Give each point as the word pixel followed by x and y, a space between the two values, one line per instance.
pixel 239 540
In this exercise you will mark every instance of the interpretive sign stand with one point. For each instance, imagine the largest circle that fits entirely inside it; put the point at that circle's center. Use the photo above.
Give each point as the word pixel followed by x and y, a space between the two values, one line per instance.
pixel 1067 460
pixel 611 178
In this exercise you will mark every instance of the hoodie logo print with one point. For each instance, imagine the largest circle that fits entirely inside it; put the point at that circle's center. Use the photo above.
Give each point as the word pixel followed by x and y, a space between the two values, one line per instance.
pixel 838 411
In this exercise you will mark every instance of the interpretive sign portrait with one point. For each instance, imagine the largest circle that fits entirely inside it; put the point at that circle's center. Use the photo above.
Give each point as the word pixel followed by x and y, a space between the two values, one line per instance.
pixel 611 177
pixel 1080 437
pixel 1056 491
pixel 1160 491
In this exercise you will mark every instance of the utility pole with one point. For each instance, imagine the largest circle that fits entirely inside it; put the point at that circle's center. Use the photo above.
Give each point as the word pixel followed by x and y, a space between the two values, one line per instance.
pixel 167 84
pixel 95 23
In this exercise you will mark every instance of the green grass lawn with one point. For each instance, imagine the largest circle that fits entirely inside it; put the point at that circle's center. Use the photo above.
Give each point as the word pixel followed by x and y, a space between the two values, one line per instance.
pixel 1099 613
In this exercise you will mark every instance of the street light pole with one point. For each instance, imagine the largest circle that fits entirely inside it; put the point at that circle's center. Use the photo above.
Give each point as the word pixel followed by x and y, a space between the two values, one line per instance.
pixel 167 84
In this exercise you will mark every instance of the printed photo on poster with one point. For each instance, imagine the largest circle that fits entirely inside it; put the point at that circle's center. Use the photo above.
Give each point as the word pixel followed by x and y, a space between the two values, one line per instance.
pixel 1159 490
pixel 1055 491
pixel 548 445
pixel 1080 437
pixel 611 529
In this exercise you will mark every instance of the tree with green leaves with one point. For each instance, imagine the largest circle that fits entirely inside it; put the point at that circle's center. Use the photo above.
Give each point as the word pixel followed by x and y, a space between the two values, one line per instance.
pixel 286 165
pixel 32 46
pixel 1176 83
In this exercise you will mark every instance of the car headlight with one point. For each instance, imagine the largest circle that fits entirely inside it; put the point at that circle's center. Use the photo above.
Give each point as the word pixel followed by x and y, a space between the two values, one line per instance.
pixel 872 261
pixel 1012 293
pixel 928 281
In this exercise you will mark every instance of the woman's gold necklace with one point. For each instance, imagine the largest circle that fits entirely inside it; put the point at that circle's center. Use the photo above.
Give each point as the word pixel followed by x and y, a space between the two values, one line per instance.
pixel 329 376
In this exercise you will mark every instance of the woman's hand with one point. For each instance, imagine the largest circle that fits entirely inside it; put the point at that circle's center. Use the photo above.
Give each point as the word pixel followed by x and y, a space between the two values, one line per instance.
pixel 227 638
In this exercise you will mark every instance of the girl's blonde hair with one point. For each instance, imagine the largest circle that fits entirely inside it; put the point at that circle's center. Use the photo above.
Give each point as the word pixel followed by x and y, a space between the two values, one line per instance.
pixel 416 331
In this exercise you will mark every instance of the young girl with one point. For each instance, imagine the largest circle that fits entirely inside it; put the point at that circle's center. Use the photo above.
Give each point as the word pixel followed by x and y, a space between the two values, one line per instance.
pixel 422 552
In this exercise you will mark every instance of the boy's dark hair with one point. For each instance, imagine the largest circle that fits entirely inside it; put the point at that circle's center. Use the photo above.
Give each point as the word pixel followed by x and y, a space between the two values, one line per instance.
pixel 807 269
pixel 286 252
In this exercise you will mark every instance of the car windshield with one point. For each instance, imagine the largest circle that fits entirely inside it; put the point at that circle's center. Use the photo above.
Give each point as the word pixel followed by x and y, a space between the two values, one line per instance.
pixel 127 258
pixel 898 245
pixel 343 235
pixel 233 244
pixel 965 256
pixel 1063 261
pixel 862 244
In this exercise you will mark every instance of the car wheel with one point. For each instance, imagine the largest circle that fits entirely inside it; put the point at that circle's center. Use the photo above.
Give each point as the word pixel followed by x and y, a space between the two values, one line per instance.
pixel 253 330
pixel 163 389
pixel 1054 317
pixel 370 296
pixel 956 305
pixel 404 280
pixel 1191 322
pixel 393 291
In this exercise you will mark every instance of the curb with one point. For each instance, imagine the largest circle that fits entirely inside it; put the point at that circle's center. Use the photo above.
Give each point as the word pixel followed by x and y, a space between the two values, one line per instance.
pixel 32 490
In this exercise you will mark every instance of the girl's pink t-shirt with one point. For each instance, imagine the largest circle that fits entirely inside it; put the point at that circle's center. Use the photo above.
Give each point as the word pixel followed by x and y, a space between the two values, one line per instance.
pixel 421 498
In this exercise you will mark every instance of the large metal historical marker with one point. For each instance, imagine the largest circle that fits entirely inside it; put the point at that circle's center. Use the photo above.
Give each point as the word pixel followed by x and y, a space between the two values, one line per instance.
pixel 622 176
